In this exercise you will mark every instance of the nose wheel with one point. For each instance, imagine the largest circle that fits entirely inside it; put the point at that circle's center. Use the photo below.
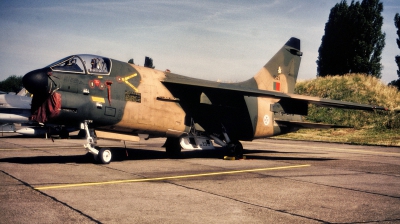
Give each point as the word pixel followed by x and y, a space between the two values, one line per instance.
pixel 104 156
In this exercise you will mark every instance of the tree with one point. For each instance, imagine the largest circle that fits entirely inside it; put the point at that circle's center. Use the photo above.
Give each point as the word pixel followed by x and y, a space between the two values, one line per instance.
pixel 334 43
pixel 353 39
pixel 11 84
pixel 397 58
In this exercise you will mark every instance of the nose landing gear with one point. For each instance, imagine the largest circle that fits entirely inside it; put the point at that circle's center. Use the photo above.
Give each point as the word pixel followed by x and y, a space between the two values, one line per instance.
pixel 102 155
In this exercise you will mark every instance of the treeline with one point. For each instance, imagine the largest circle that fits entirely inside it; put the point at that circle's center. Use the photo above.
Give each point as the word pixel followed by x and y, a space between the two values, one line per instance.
pixel 397 58
pixel 353 40
pixel 11 84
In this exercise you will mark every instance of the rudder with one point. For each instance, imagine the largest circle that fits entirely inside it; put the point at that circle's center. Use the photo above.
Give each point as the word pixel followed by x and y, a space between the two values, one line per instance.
pixel 280 72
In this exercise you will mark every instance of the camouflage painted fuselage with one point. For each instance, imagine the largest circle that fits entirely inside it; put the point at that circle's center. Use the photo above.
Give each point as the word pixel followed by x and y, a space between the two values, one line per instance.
pixel 131 99
pixel 124 101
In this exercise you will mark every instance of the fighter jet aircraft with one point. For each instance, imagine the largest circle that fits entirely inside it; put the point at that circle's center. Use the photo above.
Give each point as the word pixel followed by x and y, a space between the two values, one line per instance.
pixel 116 100
pixel 15 110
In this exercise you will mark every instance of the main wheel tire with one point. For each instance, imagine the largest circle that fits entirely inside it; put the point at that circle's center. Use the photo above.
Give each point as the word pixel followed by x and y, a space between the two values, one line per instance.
pixel 104 155
pixel 173 147
pixel 238 150
pixel 235 149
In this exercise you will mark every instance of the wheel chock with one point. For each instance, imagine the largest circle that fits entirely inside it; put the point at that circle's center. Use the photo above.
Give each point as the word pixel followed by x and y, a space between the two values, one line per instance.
pixel 233 158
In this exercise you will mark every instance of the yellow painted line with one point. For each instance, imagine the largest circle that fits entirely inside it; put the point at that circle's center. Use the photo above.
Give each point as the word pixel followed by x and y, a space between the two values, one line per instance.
pixel 169 178
pixel 336 149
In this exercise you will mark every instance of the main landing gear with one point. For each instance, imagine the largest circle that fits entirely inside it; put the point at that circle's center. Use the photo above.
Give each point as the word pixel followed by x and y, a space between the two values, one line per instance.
pixel 195 141
pixel 233 148
pixel 102 155
pixel 173 147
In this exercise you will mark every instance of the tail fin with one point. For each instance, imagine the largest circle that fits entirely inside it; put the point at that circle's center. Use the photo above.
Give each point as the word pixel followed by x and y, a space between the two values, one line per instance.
pixel 280 72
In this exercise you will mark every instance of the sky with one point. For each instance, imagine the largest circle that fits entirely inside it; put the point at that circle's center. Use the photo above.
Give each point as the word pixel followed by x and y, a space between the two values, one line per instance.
pixel 214 40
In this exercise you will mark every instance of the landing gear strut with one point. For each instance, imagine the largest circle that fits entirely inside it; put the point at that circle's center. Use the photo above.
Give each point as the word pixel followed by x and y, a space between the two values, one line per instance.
pixel 173 147
pixel 233 147
pixel 103 155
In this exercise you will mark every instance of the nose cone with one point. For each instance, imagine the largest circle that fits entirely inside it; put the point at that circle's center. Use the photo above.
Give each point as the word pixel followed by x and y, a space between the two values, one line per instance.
pixel 36 81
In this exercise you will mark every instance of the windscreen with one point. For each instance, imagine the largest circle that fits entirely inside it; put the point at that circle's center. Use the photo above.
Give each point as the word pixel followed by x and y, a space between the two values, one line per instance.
pixel 85 63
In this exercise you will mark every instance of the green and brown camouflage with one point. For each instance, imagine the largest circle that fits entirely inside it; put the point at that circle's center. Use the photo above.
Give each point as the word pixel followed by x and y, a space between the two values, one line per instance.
pixel 120 100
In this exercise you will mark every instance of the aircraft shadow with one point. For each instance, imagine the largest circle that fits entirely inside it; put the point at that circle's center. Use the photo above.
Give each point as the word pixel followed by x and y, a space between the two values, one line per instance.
pixel 122 154
pixel 256 151
pixel 17 136
pixel 49 159
pixel 287 158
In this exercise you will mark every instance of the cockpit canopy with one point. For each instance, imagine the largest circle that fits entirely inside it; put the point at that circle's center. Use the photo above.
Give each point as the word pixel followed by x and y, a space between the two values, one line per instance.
pixel 83 63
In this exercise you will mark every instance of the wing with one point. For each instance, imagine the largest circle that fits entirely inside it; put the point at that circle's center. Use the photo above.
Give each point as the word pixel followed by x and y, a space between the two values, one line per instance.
pixel 174 82
pixel 309 124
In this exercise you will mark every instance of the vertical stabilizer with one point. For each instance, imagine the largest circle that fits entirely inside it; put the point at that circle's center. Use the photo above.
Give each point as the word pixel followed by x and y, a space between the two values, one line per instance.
pixel 280 72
